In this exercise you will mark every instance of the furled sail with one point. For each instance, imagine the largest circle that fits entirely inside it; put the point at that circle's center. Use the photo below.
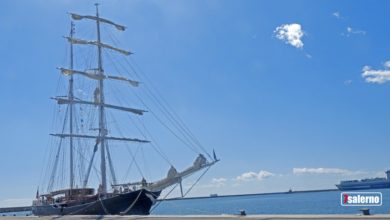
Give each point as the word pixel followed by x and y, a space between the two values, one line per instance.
pixel 79 17
pixel 132 82
pixel 62 101
pixel 90 42
pixel 89 75
pixel 96 137
pixel 98 76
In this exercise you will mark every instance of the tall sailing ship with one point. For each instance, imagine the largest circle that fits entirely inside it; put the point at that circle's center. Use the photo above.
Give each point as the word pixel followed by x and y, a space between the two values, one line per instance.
pixel 110 196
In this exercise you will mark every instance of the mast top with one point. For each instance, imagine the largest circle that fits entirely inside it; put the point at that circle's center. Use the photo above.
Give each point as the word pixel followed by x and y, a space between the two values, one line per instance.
pixel 97 9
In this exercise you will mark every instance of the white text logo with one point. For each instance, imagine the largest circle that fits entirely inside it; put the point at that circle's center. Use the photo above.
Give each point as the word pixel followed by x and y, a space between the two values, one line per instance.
pixel 361 199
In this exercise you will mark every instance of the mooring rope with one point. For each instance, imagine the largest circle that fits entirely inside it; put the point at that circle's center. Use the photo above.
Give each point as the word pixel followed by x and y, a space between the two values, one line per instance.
pixel 132 204
pixel 104 208
pixel 81 209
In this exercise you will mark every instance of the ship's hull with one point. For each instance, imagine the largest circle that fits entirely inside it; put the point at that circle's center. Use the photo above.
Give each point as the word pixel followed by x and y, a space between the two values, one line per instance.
pixel 364 185
pixel 136 202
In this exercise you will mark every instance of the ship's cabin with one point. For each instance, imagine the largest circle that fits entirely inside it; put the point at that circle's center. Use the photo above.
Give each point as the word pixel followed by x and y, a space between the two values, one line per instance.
pixel 63 195
pixel 74 192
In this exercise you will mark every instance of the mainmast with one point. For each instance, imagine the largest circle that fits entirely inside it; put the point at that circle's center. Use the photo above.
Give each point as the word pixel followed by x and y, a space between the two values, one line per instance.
pixel 102 124
pixel 71 98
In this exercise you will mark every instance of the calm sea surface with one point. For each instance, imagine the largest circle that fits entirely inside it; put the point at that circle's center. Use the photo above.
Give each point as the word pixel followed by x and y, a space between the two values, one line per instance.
pixel 327 202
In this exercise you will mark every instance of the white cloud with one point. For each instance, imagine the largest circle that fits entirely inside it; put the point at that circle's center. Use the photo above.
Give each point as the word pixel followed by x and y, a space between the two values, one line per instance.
pixel 252 175
pixel 337 15
pixel 264 174
pixel 247 176
pixel 214 183
pixel 354 31
pixel 218 182
pixel 377 76
pixel 291 34
pixel 387 64
pixel 321 170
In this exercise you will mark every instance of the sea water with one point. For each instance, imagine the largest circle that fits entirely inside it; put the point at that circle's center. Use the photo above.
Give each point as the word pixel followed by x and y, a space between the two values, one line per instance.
pixel 325 202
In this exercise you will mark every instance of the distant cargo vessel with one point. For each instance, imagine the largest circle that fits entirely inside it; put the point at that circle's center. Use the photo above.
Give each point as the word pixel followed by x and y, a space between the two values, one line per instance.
pixel 372 183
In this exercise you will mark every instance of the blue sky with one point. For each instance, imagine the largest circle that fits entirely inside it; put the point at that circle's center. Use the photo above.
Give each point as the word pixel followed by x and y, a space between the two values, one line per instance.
pixel 280 114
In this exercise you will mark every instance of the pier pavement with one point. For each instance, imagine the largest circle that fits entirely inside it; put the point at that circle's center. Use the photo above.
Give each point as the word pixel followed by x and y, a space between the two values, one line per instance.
pixel 199 217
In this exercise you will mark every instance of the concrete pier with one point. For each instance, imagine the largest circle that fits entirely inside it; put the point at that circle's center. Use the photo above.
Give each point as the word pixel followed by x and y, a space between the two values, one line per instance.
pixel 15 209
pixel 198 217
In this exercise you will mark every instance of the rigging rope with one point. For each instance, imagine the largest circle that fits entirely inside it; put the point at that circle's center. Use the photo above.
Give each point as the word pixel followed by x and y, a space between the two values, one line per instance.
pixel 153 143
pixel 207 169
pixel 52 176
pixel 129 167
pixel 163 199
pixel 179 121
pixel 167 114
pixel 135 162
pixel 159 202
pixel 131 153
pixel 155 146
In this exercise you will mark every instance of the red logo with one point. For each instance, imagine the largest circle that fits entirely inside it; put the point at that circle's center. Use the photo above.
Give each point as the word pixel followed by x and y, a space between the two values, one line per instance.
pixel 345 198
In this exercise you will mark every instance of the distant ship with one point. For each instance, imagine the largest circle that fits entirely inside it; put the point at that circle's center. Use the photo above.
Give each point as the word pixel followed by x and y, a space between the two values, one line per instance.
pixel 85 130
pixel 372 183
